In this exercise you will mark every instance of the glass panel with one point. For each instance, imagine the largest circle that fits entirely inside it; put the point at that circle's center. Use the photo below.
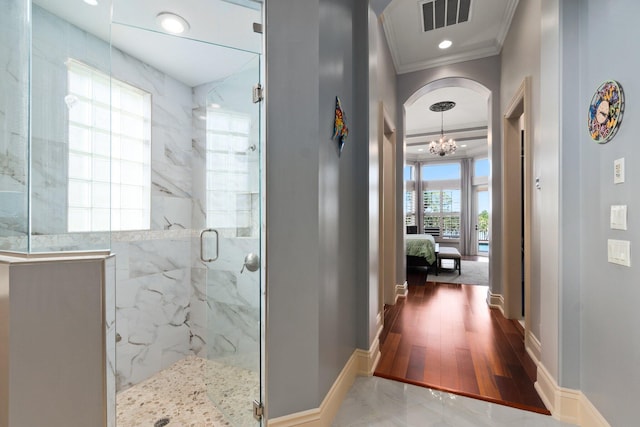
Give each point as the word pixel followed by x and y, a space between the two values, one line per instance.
pixel 408 173
pixel 431 201
pixel 14 117
pixel 410 207
pixel 70 124
pixel 440 171
pixel 232 146
pixel 482 221
pixel 481 167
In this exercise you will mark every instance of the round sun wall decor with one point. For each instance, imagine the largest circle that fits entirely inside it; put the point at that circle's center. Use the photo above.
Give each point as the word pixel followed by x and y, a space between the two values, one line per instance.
pixel 605 111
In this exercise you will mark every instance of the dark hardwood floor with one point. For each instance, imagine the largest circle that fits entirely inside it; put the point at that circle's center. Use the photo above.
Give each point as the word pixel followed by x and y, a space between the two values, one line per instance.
pixel 444 336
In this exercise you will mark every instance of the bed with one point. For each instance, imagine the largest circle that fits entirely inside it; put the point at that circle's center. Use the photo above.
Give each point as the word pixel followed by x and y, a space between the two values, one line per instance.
pixel 421 250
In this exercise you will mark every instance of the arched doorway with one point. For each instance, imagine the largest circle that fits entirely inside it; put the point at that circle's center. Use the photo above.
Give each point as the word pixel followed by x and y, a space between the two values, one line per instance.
pixel 459 222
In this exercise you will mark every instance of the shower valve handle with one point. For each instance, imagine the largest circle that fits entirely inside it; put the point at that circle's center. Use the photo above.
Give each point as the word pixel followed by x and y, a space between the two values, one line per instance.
pixel 251 262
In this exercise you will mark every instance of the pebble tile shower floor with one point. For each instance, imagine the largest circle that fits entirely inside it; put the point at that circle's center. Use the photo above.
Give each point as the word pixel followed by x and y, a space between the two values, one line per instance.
pixel 179 394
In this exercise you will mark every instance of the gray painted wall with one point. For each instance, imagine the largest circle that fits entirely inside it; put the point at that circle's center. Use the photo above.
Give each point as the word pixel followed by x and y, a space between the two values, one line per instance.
pixel 312 198
pixel 610 343
pixel 571 238
pixel 338 186
pixel 293 226
pixel 486 72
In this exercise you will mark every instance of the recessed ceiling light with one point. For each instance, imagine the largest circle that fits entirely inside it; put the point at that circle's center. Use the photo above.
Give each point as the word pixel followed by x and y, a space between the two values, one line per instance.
pixel 420 149
pixel 172 23
pixel 214 105
pixel 91 2
pixel 463 145
pixel 445 44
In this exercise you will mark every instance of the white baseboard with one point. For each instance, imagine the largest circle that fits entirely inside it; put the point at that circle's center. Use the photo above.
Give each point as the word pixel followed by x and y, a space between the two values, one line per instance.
pixel 495 301
pixel 532 346
pixel 565 404
pixel 368 360
pixel 401 291
pixel 361 362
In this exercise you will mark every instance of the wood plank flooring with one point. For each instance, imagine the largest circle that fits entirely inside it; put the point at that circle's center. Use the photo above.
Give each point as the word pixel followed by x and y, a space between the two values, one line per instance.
pixel 445 336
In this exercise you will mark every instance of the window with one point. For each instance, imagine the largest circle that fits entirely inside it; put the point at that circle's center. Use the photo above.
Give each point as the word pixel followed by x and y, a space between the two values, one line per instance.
pixel 229 195
pixel 480 167
pixel 442 211
pixel 441 198
pixel 409 196
pixel 109 152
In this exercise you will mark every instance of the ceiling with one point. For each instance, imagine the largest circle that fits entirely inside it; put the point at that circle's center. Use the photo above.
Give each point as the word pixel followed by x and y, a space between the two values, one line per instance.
pixel 466 123
pixel 201 55
pixel 214 27
pixel 412 49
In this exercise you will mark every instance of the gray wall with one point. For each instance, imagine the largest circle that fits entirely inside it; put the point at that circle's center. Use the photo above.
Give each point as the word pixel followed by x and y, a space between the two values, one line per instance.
pixel 609 294
pixel 313 215
pixel 486 72
pixel 293 233
pixel 571 239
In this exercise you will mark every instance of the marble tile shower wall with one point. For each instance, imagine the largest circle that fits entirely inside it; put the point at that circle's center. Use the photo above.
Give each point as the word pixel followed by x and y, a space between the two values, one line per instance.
pixel 225 302
pixel 153 267
pixel 169 304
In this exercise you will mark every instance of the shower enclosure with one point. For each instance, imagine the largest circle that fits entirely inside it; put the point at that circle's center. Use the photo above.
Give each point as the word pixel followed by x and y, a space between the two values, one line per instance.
pixel 121 138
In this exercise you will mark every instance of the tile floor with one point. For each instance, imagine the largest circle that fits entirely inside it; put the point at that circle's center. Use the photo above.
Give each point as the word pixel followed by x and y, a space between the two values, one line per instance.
pixel 374 401
pixel 180 394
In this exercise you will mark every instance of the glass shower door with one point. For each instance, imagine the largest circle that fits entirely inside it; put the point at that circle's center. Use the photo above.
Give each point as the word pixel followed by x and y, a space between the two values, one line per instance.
pixel 231 243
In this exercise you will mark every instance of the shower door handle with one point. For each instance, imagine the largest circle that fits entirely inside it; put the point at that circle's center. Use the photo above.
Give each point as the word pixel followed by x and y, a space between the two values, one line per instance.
pixel 202 233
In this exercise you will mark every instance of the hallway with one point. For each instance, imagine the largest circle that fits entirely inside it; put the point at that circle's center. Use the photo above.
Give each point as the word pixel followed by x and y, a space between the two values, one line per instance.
pixel 444 336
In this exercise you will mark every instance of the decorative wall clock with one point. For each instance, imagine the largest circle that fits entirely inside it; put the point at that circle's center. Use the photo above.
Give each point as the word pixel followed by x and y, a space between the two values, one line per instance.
pixel 605 111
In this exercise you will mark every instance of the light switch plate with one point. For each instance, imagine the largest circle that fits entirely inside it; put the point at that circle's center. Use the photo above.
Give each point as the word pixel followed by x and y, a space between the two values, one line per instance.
pixel 618 171
pixel 619 252
pixel 618 217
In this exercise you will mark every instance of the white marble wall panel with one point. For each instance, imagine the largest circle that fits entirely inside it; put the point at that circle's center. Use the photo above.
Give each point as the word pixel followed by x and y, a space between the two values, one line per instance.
pixel 152 324
pixel 110 325
pixel 234 333
pixel 199 312
pixel 171 129
pixel 170 213
pixel 225 303
pixel 157 256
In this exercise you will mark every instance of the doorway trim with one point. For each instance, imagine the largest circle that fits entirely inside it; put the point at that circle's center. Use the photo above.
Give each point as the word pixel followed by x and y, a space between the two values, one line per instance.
pixel 519 109
pixel 389 290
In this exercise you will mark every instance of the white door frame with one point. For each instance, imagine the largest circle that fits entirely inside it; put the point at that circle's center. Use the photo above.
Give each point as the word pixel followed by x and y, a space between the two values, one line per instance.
pixel 517 117
pixel 387 202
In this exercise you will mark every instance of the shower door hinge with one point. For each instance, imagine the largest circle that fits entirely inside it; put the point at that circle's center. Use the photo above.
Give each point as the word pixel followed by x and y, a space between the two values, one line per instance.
pixel 258 410
pixel 258 93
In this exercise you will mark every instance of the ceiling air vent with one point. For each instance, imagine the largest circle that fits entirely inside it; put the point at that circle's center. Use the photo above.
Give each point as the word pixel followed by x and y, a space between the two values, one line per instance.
pixel 441 13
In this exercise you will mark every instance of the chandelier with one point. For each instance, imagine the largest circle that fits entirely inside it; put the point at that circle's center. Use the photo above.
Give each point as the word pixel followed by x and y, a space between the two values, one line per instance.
pixel 442 146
